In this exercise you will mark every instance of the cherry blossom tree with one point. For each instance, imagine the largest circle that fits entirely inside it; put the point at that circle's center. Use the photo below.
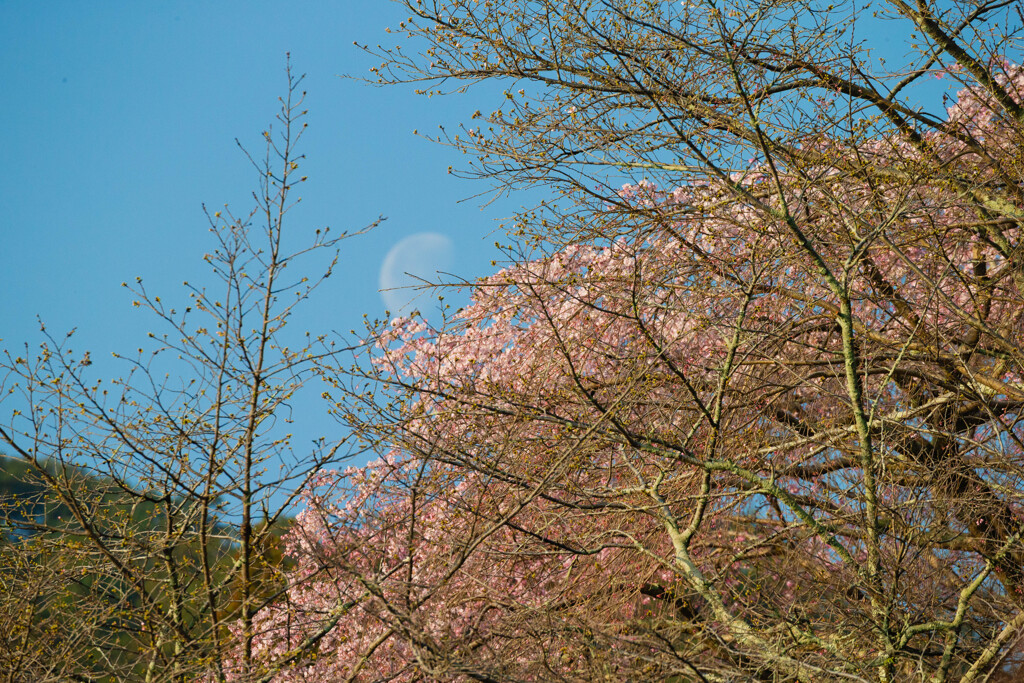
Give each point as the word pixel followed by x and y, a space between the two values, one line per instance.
pixel 745 404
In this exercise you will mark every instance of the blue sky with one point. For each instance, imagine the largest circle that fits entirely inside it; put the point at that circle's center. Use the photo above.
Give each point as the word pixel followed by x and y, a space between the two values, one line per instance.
pixel 118 122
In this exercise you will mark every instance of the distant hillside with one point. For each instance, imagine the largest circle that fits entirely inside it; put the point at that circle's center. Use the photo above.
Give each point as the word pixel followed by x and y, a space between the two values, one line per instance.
pixel 57 602
pixel 28 505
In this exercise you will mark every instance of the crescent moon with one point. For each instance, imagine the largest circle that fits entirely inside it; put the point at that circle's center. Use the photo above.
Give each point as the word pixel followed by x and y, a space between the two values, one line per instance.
pixel 414 259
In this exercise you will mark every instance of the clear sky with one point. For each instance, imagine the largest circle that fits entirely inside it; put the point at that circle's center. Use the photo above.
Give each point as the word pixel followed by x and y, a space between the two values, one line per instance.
pixel 118 121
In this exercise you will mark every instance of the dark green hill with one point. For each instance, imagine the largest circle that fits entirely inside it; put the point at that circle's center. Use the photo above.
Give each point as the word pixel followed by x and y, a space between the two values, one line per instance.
pixel 59 600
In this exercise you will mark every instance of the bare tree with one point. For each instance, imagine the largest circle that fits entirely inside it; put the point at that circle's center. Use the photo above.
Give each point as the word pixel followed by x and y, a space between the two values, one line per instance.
pixel 148 542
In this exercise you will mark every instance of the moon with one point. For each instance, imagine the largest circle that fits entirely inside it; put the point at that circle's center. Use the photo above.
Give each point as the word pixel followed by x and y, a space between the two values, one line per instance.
pixel 414 259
